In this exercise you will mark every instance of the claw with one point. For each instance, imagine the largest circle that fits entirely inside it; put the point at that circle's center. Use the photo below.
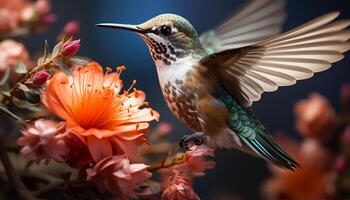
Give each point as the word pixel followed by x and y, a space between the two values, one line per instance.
pixel 188 141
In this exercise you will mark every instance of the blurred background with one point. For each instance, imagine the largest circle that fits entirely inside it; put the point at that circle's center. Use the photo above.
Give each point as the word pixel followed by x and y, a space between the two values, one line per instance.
pixel 235 172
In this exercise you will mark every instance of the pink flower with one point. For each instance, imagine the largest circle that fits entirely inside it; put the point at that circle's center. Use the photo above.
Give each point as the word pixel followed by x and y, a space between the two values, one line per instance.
pixel 178 187
pixel 340 163
pixel 44 140
pixel 315 117
pixel 71 48
pixel 116 175
pixel 78 155
pixel 11 53
pixel 309 182
pixel 71 28
pixel 47 20
pixel 41 77
pixel 11 14
pixel 43 6
pixel 195 160
pixel 345 139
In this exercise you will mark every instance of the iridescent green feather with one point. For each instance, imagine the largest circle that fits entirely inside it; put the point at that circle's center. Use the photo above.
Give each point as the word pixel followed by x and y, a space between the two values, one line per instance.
pixel 255 135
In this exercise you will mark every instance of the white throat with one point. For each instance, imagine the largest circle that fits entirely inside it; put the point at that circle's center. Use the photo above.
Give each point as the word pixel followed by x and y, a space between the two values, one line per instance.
pixel 176 71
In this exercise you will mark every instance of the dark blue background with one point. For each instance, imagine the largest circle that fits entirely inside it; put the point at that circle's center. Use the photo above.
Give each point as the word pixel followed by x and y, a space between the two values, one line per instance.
pixel 235 172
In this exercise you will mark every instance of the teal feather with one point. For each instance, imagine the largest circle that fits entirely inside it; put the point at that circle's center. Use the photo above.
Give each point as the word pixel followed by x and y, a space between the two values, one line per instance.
pixel 252 132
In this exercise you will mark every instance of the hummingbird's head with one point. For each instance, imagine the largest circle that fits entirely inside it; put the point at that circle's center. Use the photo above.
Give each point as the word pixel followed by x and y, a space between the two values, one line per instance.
pixel 168 36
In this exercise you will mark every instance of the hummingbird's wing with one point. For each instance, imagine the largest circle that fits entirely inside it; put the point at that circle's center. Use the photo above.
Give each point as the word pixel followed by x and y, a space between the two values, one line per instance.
pixel 247 72
pixel 256 21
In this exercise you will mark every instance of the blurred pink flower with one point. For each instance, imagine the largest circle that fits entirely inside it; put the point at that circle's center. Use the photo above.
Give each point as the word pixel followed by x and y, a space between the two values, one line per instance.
pixel 11 14
pixel 340 163
pixel 311 181
pixel 116 175
pixel 71 28
pixel 345 139
pixel 178 187
pixel 315 117
pixel 196 161
pixel 44 140
pixel 11 53
pixel 71 48
pixel 43 6
pixel 47 20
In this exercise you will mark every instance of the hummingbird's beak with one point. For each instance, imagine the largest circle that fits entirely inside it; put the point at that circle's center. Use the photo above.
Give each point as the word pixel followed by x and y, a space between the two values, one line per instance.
pixel 128 27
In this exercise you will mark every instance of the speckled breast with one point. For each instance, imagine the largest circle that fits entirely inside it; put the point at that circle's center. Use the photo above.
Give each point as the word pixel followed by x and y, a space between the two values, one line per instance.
pixel 181 102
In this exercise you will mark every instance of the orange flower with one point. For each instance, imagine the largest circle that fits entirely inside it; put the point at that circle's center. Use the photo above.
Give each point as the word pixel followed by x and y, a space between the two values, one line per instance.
pixel 315 116
pixel 89 101
pixel 312 181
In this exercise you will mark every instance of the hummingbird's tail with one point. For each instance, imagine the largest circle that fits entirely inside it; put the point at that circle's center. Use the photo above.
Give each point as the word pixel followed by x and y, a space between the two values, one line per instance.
pixel 266 147
pixel 254 136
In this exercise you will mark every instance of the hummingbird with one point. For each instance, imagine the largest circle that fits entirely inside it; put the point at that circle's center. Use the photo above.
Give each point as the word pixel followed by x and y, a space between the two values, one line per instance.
pixel 210 81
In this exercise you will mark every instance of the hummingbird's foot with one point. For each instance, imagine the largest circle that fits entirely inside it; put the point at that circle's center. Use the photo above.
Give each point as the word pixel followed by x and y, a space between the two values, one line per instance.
pixel 188 141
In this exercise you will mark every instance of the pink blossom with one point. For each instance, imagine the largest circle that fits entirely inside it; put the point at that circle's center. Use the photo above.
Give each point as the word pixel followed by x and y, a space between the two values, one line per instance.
pixel 195 161
pixel 78 155
pixel 178 187
pixel 340 163
pixel 315 117
pixel 44 140
pixel 116 175
pixel 11 14
pixel 41 77
pixel 48 19
pixel 345 139
pixel 43 6
pixel 11 53
pixel 71 28
pixel 71 48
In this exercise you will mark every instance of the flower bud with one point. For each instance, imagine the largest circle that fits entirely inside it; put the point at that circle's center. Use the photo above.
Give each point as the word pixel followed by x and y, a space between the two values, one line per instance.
pixel 340 163
pixel 41 77
pixel 345 91
pixel 71 28
pixel 345 139
pixel 43 6
pixel 71 48
pixel 47 20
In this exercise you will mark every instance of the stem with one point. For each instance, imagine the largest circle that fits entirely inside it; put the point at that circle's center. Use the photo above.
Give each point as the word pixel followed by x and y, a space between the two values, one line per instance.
pixel 14 179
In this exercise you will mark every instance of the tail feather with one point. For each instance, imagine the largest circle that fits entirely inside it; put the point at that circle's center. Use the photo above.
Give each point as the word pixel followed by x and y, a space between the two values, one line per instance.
pixel 266 147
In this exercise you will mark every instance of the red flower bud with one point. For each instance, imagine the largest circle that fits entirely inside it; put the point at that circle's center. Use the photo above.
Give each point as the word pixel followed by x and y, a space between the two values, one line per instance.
pixel 345 139
pixel 71 28
pixel 340 163
pixel 345 91
pixel 49 19
pixel 71 48
pixel 41 77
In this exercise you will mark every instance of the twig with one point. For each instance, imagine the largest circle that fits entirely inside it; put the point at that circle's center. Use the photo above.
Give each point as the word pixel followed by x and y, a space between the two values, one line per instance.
pixel 12 115
pixel 14 179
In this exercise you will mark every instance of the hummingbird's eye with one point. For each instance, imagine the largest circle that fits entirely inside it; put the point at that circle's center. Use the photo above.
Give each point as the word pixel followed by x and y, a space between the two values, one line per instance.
pixel 165 30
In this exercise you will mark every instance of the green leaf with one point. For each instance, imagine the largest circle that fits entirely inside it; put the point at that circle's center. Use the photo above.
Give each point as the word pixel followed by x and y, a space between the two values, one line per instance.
pixel 76 60
pixel 41 60
pixel 23 87
pixel 6 76
pixel 46 49
pixel 57 49
pixel 63 67
pixel 21 68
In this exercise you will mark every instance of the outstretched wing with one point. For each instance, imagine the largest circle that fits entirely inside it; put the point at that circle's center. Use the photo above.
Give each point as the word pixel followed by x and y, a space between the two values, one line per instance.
pixel 247 72
pixel 256 21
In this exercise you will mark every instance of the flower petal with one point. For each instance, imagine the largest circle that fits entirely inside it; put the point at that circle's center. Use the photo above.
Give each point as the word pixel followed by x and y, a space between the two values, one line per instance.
pixel 99 148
